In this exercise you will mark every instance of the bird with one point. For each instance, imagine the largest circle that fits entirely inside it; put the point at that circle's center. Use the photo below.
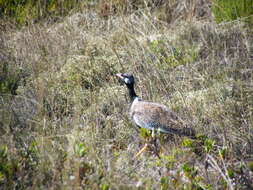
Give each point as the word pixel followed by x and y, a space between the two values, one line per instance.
pixel 153 116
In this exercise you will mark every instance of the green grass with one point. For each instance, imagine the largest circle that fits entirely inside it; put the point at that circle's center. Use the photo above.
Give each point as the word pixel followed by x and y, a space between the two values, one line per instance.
pixel 229 10
pixel 26 11
pixel 68 127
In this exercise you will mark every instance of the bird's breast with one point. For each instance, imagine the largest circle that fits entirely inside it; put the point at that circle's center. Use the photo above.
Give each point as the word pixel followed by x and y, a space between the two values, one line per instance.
pixel 134 105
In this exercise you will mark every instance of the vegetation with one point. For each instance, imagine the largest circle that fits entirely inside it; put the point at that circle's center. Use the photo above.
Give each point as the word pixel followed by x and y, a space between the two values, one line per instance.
pixel 24 11
pixel 64 120
pixel 228 10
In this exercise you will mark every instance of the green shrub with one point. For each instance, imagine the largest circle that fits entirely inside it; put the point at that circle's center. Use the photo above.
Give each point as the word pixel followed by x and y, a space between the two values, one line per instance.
pixel 228 10
pixel 23 11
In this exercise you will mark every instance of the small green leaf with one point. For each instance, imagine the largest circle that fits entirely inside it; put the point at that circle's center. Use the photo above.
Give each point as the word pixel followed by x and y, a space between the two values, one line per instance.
pixel 231 173
pixel 3 151
pixel 81 149
pixel 222 152
pixel 2 177
pixel 187 142
pixel 208 145
pixel 145 133
pixel 104 187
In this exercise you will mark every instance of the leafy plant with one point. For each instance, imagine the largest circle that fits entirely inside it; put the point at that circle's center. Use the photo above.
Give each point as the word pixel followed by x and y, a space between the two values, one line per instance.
pixel 209 145
pixel 144 133
pixel 81 149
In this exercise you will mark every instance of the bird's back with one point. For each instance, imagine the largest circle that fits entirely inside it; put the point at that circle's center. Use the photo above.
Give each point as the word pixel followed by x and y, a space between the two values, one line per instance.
pixel 153 115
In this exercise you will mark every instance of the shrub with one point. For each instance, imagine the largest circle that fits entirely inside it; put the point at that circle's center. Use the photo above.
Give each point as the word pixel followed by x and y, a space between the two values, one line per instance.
pixel 23 11
pixel 228 10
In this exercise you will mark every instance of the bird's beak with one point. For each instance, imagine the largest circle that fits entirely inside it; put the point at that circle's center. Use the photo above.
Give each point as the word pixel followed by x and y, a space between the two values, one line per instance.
pixel 120 76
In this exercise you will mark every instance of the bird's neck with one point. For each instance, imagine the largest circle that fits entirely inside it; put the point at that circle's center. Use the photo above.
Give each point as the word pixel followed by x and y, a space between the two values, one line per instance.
pixel 131 92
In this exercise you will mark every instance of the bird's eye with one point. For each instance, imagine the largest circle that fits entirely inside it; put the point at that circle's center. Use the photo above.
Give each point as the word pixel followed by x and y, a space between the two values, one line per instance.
pixel 127 81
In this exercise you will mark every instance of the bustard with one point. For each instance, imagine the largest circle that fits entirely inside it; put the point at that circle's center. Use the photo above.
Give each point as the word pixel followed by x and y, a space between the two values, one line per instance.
pixel 153 116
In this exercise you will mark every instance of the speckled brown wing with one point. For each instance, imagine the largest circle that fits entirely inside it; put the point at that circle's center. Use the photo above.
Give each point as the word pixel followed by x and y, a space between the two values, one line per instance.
pixel 156 116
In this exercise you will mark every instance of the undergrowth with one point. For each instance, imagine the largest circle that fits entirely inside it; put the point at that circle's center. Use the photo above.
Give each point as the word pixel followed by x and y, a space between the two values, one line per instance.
pixel 65 124
pixel 226 10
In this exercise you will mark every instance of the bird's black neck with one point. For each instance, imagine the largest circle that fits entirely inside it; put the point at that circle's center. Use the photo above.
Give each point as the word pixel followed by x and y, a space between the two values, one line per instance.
pixel 131 91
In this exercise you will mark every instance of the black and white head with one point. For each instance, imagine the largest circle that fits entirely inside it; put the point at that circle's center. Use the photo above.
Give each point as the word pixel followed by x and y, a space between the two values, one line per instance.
pixel 126 78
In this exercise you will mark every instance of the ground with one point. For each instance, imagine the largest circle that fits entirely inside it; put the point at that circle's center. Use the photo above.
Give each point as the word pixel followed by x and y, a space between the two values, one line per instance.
pixel 65 123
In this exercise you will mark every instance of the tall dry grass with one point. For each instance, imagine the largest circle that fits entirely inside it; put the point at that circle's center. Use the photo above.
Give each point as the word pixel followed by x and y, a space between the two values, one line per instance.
pixel 68 125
